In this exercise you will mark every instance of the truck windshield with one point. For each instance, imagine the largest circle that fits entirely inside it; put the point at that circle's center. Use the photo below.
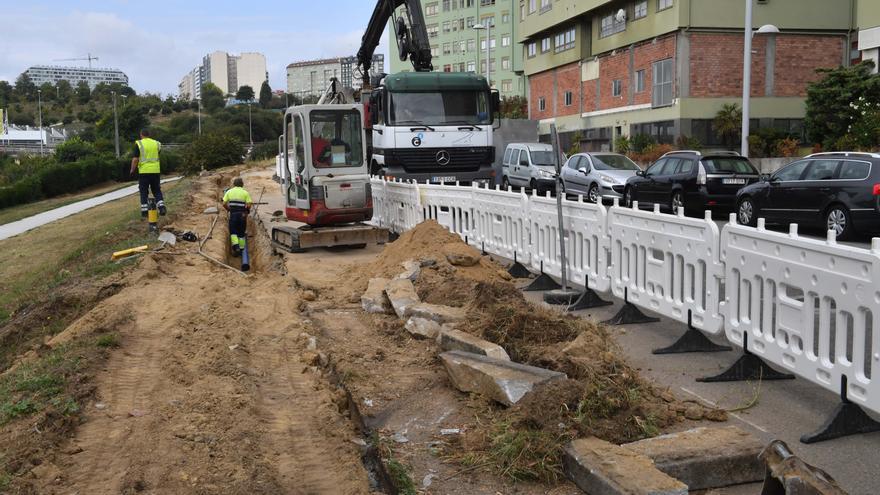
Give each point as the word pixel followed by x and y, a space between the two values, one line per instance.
pixel 542 157
pixel 336 138
pixel 439 108
pixel 614 162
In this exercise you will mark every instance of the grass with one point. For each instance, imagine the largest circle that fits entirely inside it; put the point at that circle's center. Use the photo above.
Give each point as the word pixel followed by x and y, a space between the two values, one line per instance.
pixel 8 215
pixel 108 340
pixel 398 471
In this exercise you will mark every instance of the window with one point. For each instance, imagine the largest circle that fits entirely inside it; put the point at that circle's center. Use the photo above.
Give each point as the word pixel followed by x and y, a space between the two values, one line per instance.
pixel 447 26
pixel 471 66
pixel 640 10
pixel 854 170
pixel 565 40
pixel 542 104
pixel 569 98
pixel 505 18
pixel 430 9
pixel 524 158
pixel 639 82
pixel 664 4
pixel 488 20
pixel 446 49
pixel 470 22
pixel 505 63
pixel 662 94
pixel 491 65
pixel 447 68
pixel 487 2
pixel 505 40
pixel 341 133
pixel 446 5
pixel 616 87
pixel 460 24
pixel 791 172
pixel 545 5
pixel 661 131
pixel 507 154
pixel 532 49
pixel 506 85
pixel 482 66
pixel 471 45
pixel 545 45
pixel 685 166
pixel 462 46
pixel 610 25
pixel 821 170
pixel 435 51
pixel 533 6
pixel 491 44
pixel 433 31
pixel 656 167
pixel 737 165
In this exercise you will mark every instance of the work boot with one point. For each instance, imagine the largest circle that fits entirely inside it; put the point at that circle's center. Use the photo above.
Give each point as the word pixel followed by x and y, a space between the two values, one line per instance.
pixel 162 210
pixel 236 251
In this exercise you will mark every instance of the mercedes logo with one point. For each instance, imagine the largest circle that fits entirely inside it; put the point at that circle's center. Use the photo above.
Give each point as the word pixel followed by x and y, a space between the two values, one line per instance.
pixel 442 157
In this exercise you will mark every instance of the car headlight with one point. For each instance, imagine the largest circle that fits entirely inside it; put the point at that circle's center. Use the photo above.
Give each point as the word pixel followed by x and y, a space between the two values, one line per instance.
pixel 607 178
pixel 546 174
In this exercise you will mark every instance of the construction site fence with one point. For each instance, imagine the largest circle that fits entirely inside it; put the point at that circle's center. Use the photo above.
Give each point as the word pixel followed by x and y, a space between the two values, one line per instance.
pixel 810 307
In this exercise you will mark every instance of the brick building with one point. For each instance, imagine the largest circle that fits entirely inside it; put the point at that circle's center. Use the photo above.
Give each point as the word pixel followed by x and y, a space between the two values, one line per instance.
pixel 603 69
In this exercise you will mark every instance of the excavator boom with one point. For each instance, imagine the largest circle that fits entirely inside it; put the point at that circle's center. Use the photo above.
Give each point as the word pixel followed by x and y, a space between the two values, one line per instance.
pixel 410 32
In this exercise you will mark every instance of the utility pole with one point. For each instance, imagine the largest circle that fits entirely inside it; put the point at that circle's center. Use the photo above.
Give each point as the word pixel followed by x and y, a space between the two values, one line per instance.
pixel 40 112
pixel 199 113
pixel 747 79
pixel 250 126
pixel 115 124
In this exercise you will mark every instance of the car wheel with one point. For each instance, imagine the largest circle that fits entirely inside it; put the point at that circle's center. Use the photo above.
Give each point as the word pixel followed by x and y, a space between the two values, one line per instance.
pixel 505 184
pixel 627 198
pixel 837 218
pixel 746 213
pixel 593 194
pixel 676 203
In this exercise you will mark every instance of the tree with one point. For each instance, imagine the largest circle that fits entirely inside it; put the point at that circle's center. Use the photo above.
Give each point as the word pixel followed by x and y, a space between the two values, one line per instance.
pixel 245 93
pixel 83 92
pixel 64 91
pixel 5 93
pixel 25 88
pixel 48 90
pixel 265 95
pixel 832 102
pixel 514 107
pixel 212 98
pixel 728 123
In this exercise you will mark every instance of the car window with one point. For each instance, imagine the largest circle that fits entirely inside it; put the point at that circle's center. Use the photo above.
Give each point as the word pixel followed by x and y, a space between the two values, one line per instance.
pixel 821 169
pixel 850 170
pixel 669 167
pixel 656 167
pixel 576 162
pixel 791 172
pixel 542 157
pixel 731 165
pixel 614 162
pixel 524 158
pixel 685 166
pixel 507 154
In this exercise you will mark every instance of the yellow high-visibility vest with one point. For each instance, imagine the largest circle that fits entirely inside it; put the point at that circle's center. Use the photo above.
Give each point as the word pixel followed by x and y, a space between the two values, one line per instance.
pixel 148 163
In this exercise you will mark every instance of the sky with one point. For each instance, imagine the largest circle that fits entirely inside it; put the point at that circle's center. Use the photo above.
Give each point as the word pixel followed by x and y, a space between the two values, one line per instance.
pixel 155 43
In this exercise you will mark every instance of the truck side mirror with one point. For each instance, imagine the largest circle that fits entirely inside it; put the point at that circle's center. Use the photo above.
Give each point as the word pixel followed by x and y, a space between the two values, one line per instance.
pixel 496 102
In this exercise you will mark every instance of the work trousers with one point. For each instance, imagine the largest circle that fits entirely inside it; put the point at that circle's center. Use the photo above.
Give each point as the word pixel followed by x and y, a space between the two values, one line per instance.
pixel 147 182
pixel 237 228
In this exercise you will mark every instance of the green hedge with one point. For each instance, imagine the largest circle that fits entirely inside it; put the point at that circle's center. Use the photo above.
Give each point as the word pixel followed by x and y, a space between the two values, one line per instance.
pixel 24 191
pixel 62 178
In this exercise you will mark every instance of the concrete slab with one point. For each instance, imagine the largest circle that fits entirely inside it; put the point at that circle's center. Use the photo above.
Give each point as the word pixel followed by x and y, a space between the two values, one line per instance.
pixel 411 270
pixel 601 468
pixel 374 299
pixel 456 340
pixel 436 312
pixel 705 457
pixel 402 295
pixel 421 328
pixel 504 381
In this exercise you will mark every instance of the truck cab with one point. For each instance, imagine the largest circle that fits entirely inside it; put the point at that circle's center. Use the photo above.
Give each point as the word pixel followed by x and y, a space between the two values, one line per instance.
pixel 433 126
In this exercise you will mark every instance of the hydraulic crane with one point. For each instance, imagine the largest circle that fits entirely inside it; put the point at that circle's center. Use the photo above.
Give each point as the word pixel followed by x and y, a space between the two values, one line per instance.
pixel 89 58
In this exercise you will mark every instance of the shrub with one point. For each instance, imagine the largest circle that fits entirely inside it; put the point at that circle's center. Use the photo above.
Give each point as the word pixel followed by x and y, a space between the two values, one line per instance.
pixel 263 151
pixel 171 161
pixel 684 142
pixel 652 153
pixel 641 142
pixel 622 144
pixel 66 178
pixel 74 149
pixel 210 151
pixel 787 147
pixel 23 191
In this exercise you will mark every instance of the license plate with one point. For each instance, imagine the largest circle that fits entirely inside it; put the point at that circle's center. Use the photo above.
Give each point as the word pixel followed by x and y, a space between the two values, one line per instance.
pixel 733 181
pixel 447 179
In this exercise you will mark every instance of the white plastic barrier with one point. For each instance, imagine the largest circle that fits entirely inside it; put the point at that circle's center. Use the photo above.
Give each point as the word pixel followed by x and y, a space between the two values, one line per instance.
pixel 501 225
pixel 451 206
pixel 402 209
pixel 811 307
pixel 668 264
pixel 377 188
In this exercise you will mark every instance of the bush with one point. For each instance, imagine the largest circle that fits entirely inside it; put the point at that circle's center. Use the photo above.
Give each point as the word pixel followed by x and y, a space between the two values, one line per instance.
pixel 24 191
pixel 622 144
pixel 787 147
pixel 264 151
pixel 65 178
pixel 74 149
pixel 641 142
pixel 171 161
pixel 652 153
pixel 684 142
pixel 210 151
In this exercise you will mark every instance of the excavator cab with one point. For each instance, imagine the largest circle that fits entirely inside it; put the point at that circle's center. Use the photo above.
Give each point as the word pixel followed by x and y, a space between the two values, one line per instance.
pixel 325 181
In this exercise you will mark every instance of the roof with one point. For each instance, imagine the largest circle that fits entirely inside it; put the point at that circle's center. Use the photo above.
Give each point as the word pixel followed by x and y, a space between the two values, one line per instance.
pixel 432 81
pixel 533 146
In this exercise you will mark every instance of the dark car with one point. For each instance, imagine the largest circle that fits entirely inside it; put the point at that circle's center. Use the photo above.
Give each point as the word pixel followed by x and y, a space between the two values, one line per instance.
pixel 835 191
pixel 691 180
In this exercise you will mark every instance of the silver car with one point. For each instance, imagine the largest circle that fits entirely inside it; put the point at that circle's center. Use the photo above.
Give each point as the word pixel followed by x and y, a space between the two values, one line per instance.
pixel 597 175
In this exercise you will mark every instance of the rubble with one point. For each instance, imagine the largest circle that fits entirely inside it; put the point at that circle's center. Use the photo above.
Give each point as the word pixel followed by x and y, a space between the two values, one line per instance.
pixel 460 254
pixel 436 312
pixel 411 270
pixel 422 328
pixel 504 381
pixel 374 299
pixel 402 294
pixel 456 340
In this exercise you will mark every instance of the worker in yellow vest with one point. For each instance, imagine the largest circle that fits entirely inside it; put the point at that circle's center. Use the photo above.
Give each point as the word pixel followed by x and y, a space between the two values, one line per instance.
pixel 146 163
pixel 237 201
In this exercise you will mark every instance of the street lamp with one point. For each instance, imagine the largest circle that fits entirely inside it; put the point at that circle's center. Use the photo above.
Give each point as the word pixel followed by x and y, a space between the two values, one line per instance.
pixel 115 124
pixel 747 72
pixel 199 113
pixel 250 126
pixel 40 116
pixel 488 29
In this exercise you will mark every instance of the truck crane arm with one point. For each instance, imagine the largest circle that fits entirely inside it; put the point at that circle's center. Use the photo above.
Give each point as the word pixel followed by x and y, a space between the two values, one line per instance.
pixel 410 31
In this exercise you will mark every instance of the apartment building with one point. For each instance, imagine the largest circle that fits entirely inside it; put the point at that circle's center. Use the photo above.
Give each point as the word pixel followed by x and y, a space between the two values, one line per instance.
pixel 457 47
pixel 227 72
pixel 603 69
pixel 868 21
pixel 41 74
pixel 312 77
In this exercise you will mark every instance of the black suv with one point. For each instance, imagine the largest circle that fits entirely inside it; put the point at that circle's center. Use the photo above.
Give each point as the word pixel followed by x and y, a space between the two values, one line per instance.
pixel 691 180
pixel 836 191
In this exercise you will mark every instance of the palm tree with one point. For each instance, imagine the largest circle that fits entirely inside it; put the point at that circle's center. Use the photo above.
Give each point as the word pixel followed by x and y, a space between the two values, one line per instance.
pixel 728 122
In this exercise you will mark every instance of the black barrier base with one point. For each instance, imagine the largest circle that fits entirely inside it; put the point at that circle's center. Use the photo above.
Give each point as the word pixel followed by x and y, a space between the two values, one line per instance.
pixel 692 341
pixel 543 282
pixel 561 296
pixel 517 270
pixel 747 367
pixel 589 299
pixel 629 314
pixel 847 419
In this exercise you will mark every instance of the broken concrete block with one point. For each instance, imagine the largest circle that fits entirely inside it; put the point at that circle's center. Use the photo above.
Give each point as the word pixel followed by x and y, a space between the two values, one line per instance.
pixel 504 381
pixel 460 254
pixel 705 457
pixel 374 300
pixel 456 340
pixel 401 294
pixel 436 312
pixel 411 270
pixel 601 468
pixel 422 328
pixel 211 210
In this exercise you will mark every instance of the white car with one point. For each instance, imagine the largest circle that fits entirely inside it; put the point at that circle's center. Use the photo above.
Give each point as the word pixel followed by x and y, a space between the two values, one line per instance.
pixel 597 175
pixel 529 165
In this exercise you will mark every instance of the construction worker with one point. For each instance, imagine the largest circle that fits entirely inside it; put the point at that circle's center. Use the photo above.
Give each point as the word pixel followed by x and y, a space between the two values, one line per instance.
pixel 237 201
pixel 146 163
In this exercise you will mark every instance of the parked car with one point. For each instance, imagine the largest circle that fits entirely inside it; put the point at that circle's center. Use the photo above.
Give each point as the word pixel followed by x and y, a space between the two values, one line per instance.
pixel 836 191
pixel 597 175
pixel 693 181
pixel 529 165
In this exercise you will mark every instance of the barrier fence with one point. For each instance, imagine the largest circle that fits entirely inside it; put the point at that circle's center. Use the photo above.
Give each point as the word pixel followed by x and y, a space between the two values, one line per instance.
pixel 806 306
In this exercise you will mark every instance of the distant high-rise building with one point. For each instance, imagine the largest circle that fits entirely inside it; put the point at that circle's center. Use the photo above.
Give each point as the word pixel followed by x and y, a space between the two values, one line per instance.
pixel 311 77
pixel 227 72
pixel 41 74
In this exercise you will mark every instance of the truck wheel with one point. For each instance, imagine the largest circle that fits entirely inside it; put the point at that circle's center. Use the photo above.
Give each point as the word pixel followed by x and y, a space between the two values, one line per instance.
pixel 505 184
